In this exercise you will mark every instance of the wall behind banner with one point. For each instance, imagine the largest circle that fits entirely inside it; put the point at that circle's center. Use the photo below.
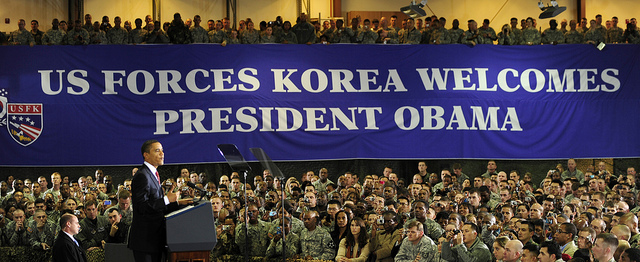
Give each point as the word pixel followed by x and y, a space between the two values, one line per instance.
pixel 45 10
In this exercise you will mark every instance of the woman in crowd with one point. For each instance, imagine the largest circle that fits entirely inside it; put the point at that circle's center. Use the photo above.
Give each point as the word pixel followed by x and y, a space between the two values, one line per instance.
pixel 355 246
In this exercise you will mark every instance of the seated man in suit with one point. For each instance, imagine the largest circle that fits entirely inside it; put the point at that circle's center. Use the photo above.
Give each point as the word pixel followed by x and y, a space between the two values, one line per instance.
pixel 66 248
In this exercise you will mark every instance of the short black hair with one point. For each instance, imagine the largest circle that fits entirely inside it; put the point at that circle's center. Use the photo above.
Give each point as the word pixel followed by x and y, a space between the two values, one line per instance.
pixel 553 248
pixel 146 146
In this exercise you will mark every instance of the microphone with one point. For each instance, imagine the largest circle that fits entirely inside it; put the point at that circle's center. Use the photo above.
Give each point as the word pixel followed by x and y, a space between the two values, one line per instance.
pixel 192 185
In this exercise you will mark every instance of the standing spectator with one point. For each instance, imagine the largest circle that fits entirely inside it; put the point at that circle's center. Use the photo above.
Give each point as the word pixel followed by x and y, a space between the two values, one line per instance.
pixel 178 32
pixel 87 23
pixel 37 34
pixel 136 36
pixel 487 33
pixel 304 31
pixel 198 33
pixel 531 35
pixel 98 37
pixel 250 36
pixel 156 35
pixel 21 36
pixel 117 36
pixel 552 36
pixel 614 34
pixel 76 36
pixel 66 248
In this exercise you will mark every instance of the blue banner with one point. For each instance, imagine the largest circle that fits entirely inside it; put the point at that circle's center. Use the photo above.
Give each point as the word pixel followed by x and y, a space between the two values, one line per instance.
pixel 95 105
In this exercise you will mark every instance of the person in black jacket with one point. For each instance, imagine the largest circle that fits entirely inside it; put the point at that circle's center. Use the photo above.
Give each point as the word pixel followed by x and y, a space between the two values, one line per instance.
pixel 66 248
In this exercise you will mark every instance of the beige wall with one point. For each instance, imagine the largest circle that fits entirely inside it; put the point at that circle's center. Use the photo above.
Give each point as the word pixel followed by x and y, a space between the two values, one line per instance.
pixel 45 10
pixel 464 10
pixel 125 9
pixel 42 10
pixel 623 9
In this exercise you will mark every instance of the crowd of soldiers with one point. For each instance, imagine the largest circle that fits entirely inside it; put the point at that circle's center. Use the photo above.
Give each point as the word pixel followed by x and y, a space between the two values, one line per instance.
pixel 570 215
pixel 431 30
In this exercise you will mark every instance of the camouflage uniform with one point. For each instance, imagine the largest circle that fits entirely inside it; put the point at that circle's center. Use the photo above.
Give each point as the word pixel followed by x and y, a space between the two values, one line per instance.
pixel 88 27
pixel 412 36
pixel 217 36
pixel 98 38
pixel 614 35
pixel 258 237
pixel 290 37
pixel 21 37
pixel 53 37
pixel 232 41
pixel 317 244
pixel 268 39
pixel 516 36
pixel 336 35
pixel 179 33
pixel 92 234
pixel 199 35
pixel 455 35
pixel 305 32
pixel 602 31
pixel 225 245
pixel 470 37
pixel 552 35
pixel 74 37
pixel 631 37
pixel 118 36
pixel 366 37
pixel 478 252
pixel 329 33
pixel 16 238
pixel 296 226
pixel 594 35
pixel 426 248
pixel 531 36
pixel 349 36
pixel 401 33
pixel 292 244
pixel 426 35
pixel 506 39
pixel 157 36
pixel 440 36
pixel 634 241
pixel 486 40
pixel 250 37
pixel 37 36
pixel 47 236
pixel 392 33
pixel 431 228
pixel 138 35
pixel 573 37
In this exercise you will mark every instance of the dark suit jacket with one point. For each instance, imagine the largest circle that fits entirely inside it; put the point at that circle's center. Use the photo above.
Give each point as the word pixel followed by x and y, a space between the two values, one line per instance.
pixel 148 229
pixel 65 250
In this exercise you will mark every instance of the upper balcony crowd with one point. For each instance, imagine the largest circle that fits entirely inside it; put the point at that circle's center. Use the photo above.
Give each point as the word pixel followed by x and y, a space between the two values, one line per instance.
pixel 431 30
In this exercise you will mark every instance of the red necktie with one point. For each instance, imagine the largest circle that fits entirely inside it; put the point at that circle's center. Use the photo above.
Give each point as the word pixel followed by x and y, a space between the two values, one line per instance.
pixel 158 177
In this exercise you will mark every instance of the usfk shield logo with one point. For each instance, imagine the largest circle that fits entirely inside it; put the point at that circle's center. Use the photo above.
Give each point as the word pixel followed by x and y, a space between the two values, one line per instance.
pixel 24 122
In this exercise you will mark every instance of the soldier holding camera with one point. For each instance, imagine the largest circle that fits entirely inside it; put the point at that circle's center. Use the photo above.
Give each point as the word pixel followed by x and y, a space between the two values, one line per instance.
pixel 465 246
pixel 385 233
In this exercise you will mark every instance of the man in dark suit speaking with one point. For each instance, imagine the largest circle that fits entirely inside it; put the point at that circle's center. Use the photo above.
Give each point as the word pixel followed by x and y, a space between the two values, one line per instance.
pixel 66 248
pixel 147 236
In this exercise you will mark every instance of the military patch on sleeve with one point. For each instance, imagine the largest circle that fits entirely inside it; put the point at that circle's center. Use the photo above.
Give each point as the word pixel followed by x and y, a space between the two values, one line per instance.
pixel 331 245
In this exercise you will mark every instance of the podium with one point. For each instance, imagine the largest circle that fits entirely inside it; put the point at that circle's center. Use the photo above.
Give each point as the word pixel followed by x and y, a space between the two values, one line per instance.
pixel 191 233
